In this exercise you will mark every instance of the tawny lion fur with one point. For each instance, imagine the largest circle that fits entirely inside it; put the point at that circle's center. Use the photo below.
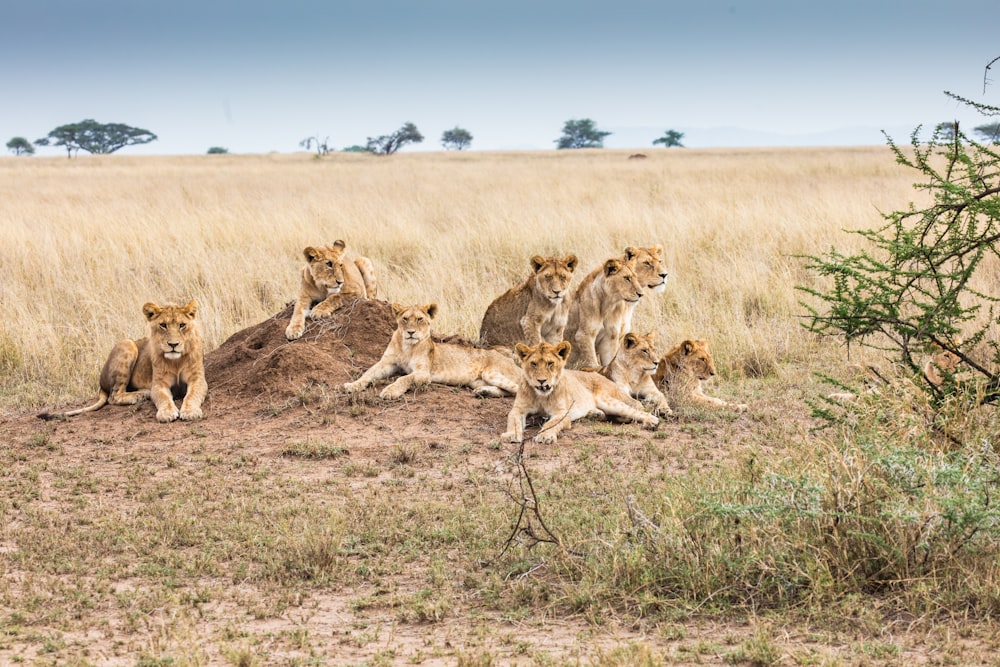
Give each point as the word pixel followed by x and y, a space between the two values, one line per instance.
pixel 412 352
pixel 632 369
pixel 547 388
pixel 329 281
pixel 535 310
pixel 167 363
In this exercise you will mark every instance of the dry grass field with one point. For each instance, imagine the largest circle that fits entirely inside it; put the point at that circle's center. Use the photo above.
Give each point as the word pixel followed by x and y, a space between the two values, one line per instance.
pixel 297 526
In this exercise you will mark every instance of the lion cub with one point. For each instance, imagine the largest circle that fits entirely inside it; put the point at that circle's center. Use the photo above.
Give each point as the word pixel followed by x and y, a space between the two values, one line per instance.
pixel 535 310
pixel 683 368
pixel 328 282
pixel 600 312
pixel 167 363
pixel 412 351
pixel 632 369
pixel 563 396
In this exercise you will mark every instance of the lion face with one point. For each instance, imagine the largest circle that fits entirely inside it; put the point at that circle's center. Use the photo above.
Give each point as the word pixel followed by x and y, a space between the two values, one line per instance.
pixel 543 364
pixel 326 265
pixel 639 352
pixel 413 323
pixel 697 358
pixel 553 275
pixel 648 266
pixel 940 366
pixel 171 328
pixel 622 283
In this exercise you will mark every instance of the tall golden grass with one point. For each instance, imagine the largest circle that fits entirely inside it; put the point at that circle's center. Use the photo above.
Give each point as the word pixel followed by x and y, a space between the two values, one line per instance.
pixel 85 242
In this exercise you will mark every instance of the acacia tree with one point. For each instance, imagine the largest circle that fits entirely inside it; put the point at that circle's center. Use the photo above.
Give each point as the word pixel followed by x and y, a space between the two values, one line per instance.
pixel 20 146
pixel 456 138
pixel 322 147
pixel 387 144
pixel 581 133
pixel 988 132
pixel 94 137
pixel 670 138
pixel 915 289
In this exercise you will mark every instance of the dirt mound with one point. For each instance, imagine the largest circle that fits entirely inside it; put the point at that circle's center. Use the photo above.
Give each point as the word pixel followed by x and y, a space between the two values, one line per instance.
pixel 259 363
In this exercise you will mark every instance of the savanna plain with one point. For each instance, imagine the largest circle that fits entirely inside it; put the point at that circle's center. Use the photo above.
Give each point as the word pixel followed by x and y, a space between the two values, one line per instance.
pixel 297 525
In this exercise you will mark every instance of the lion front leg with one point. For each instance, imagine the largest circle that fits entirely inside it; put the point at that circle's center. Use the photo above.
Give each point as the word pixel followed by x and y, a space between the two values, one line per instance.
pixel 551 429
pixel 403 384
pixel 633 411
pixel 326 307
pixel 382 369
pixel 163 399
pixel 196 392
pixel 515 426
pixel 297 325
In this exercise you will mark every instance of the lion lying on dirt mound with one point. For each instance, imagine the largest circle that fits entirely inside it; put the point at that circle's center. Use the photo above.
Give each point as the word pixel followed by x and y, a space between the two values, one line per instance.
pixel 328 281
pixel 547 388
pixel 422 360
pixel 535 310
pixel 166 364
pixel 681 371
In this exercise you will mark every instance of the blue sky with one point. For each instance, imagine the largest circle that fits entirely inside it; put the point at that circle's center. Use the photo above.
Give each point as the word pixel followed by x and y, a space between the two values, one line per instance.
pixel 259 75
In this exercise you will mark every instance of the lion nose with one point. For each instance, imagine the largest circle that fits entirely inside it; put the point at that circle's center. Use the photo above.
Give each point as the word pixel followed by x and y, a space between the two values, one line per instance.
pixel 663 275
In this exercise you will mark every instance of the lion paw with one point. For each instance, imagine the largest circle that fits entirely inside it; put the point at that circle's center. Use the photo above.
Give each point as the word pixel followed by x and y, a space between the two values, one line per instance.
pixel 191 414
pixel 510 436
pixel 294 331
pixel 353 387
pixel 167 414
pixel 545 438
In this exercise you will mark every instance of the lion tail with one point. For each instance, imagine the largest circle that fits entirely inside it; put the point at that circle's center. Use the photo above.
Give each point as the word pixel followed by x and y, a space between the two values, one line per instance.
pixel 368 275
pixel 101 402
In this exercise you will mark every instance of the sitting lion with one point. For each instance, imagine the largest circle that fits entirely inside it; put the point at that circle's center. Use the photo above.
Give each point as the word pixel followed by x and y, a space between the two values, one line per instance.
pixel 681 371
pixel 422 360
pixel 600 312
pixel 632 369
pixel 648 266
pixel 547 388
pixel 165 365
pixel 328 282
pixel 533 311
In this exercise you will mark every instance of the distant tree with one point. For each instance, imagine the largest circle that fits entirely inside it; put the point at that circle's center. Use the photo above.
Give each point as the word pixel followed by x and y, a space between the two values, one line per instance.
pixel 217 150
pixel 387 144
pixel 945 131
pixel 456 139
pixel 670 138
pixel 94 137
pixel 322 146
pixel 20 146
pixel 581 134
pixel 355 149
pixel 989 132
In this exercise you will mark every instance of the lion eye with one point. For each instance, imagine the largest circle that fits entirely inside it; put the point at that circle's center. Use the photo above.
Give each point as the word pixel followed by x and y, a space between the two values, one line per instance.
pixel 649 264
pixel 163 325
pixel 182 326
pixel 330 264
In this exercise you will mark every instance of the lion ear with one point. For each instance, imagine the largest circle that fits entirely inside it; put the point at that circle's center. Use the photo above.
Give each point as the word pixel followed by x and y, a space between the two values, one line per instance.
pixel 151 310
pixel 657 250
pixel 563 349
pixel 630 340
pixel 397 309
pixel 688 346
pixel 630 252
pixel 522 351
pixel 339 243
pixel 310 253
pixel 612 266
pixel 537 262
pixel 570 261
pixel 431 309
pixel 191 308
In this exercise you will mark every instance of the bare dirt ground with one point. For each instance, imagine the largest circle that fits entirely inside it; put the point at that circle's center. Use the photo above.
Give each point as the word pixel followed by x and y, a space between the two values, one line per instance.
pixel 266 395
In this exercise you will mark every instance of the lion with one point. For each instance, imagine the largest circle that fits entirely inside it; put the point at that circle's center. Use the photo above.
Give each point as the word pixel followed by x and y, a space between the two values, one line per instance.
pixel 600 313
pixel 166 364
pixel 648 266
pixel 328 282
pixel 682 369
pixel 414 353
pixel 632 369
pixel 535 310
pixel 547 387
pixel 941 366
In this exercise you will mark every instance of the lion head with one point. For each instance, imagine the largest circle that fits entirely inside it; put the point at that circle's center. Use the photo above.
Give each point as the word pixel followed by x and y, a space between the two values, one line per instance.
pixel 172 328
pixel 638 352
pixel 691 356
pixel 941 366
pixel 648 266
pixel 326 266
pixel 413 323
pixel 621 281
pixel 553 275
pixel 543 364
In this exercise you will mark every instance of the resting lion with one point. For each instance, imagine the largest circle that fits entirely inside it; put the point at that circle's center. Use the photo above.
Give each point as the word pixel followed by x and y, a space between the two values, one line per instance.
pixel 414 353
pixel 547 388
pixel 681 371
pixel 632 369
pixel 600 312
pixel 165 365
pixel 328 282
pixel 535 310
